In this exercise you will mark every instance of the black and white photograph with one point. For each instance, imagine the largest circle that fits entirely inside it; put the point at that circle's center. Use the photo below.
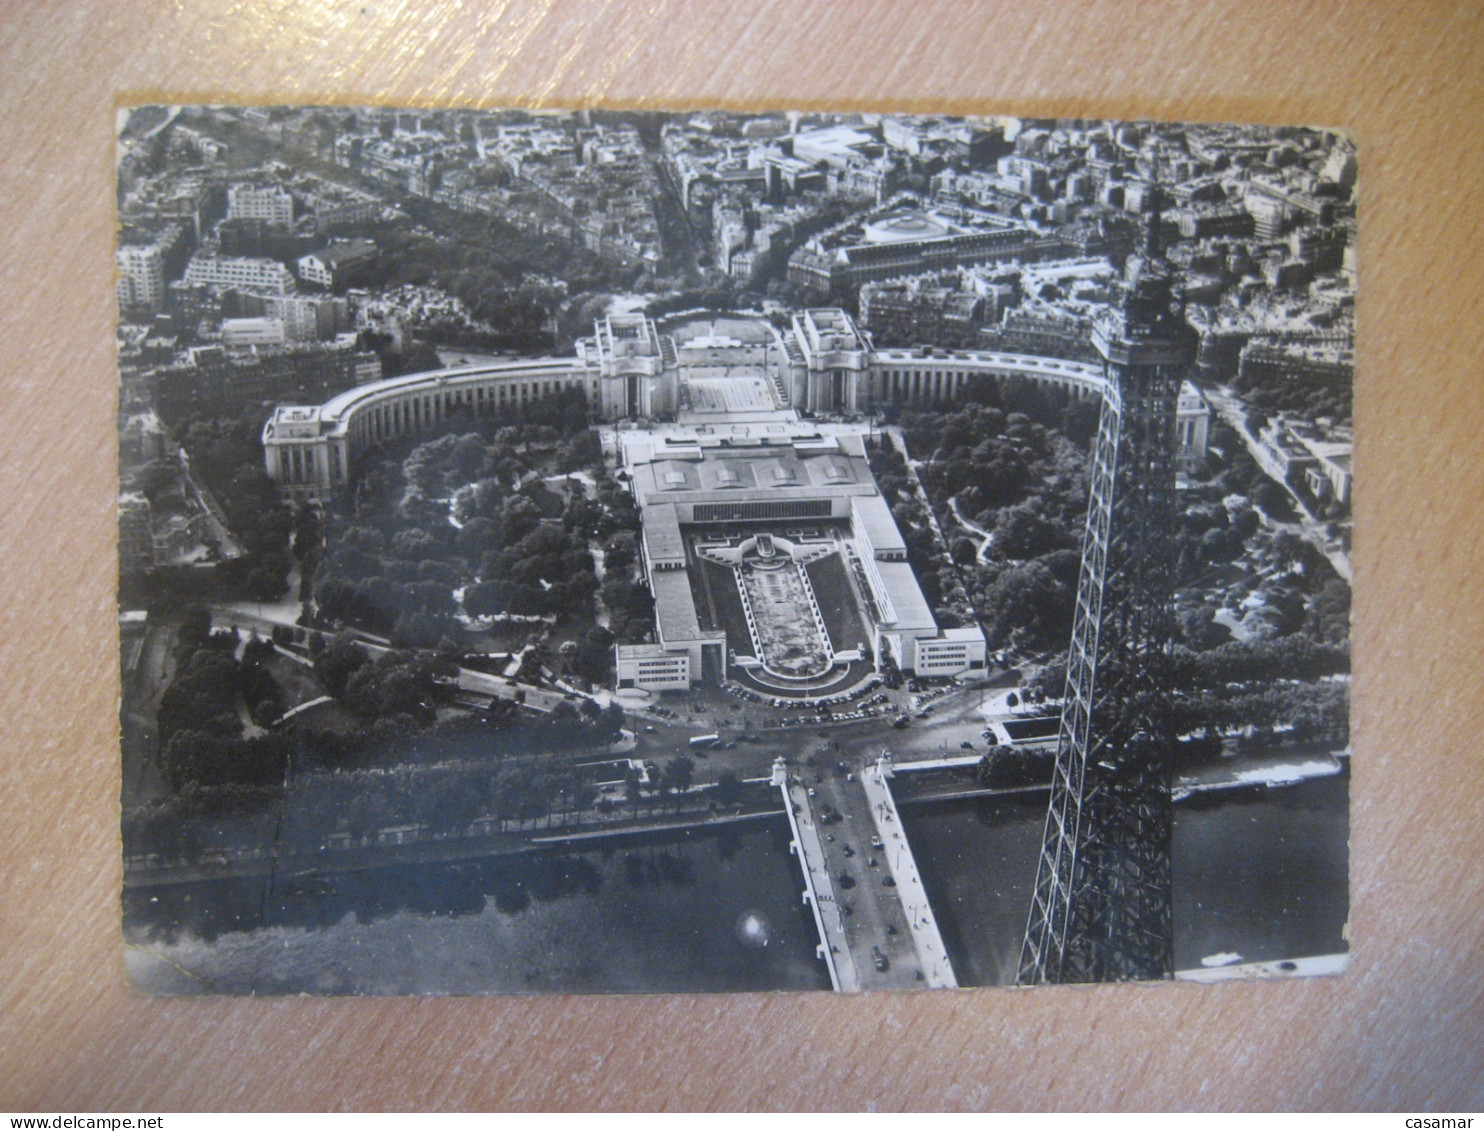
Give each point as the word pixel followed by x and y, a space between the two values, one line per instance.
pixel 625 551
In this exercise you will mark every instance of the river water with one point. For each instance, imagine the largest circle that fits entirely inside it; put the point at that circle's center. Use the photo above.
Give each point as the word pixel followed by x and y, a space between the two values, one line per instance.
pixel 1260 873
pixel 718 909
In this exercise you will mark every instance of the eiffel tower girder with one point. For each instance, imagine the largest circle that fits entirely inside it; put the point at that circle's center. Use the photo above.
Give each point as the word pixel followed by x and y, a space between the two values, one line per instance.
pixel 1100 910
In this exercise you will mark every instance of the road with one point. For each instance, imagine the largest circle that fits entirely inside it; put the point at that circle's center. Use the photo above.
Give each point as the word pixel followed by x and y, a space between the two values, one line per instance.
pixel 954 719
pixel 263 617
pixel 676 235
pixel 868 910
pixel 872 917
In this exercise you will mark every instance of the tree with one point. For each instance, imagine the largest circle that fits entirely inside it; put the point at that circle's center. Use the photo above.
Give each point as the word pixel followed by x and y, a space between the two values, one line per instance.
pixel 1246 522
pixel 632 787
pixel 1199 627
pixel 619 553
pixel 338 662
pixel 204 696
pixel 212 761
pixel 519 517
pixel 477 537
pixel 609 725
pixel 416 545
pixel 1221 544
pixel 1023 531
pixel 264 583
pixel 1272 499
pixel 394 685
pixel 307 533
pixel 678 774
pixel 594 655
pixel 1004 767
pixel 195 626
pixel 420 629
pixel 1329 613
pixel 1032 600
pixel 501 713
pixel 728 788
pixel 257 650
pixel 453 802
pixel 1287 549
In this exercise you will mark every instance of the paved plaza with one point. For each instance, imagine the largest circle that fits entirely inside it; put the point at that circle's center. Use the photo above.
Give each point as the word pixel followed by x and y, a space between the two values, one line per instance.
pixel 741 392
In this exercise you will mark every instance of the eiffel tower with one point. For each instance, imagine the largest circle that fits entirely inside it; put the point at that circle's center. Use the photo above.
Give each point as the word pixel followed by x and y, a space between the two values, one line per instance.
pixel 1101 907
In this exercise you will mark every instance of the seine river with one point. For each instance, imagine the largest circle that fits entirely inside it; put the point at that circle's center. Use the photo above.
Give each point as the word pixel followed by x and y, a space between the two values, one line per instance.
pixel 1260 873
pixel 719 909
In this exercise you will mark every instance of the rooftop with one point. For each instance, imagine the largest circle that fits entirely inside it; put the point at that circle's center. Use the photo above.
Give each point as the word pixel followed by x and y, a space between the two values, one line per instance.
pixel 906 597
pixel 873 518
pixel 335 409
pixel 906 224
pixel 688 471
pixel 349 252
pixel 674 606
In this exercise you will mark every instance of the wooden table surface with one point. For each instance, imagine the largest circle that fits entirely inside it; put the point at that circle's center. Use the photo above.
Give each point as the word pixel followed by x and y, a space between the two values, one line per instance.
pixel 1403 1030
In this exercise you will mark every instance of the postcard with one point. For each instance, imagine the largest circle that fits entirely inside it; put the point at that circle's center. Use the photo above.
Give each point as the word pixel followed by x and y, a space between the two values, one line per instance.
pixel 600 551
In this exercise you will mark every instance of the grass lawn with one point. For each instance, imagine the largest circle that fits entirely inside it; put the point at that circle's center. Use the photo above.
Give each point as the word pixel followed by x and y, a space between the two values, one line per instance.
pixel 501 636
pixel 722 586
pixel 551 503
pixel 574 626
pixel 837 604
pixel 330 717
pixel 299 682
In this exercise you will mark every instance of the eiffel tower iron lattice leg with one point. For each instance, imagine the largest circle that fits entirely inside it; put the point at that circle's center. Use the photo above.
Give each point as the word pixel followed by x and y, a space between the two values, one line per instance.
pixel 1100 910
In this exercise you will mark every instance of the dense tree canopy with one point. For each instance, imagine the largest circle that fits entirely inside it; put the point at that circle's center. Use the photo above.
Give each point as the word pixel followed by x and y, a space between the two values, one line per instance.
pixel 206 710
pixel 1015 467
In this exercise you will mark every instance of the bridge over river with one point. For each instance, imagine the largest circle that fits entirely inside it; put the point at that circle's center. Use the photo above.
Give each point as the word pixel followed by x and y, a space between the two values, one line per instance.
pixel 875 926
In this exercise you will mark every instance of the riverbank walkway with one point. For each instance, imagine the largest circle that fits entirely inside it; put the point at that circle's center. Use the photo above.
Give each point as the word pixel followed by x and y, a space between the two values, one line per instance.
pixel 407 845
pixel 1272 771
